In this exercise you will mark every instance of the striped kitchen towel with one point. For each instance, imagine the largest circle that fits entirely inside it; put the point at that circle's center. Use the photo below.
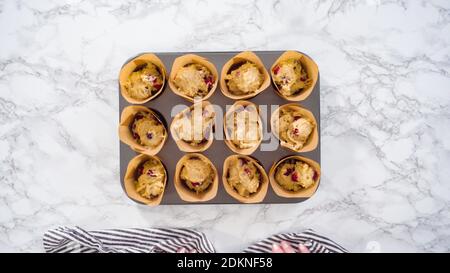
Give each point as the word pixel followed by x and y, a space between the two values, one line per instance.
pixel 132 240
pixel 156 240
pixel 314 242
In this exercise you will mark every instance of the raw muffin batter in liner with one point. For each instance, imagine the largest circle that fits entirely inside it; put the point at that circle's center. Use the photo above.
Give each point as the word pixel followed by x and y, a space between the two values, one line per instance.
pixel 145 179
pixel 294 75
pixel 150 178
pixel 290 77
pixel 142 129
pixel 142 79
pixel 193 77
pixel 245 79
pixel 243 127
pixel 194 80
pixel 196 178
pixel 147 130
pixel 244 76
pixel 192 128
pixel 144 82
pixel 295 127
pixel 244 179
pixel 295 176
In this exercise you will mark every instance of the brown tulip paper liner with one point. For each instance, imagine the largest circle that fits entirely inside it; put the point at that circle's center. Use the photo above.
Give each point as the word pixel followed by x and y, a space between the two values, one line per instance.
pixel 129 68
pixel 189 195
pixel 130 180
pixel 256 197
pixel 190 59
pixel 185 146
pixel 313 139
pixel 228 142
pixel 311 69
pixel 303 193
pixel 125 135
pixel 234 63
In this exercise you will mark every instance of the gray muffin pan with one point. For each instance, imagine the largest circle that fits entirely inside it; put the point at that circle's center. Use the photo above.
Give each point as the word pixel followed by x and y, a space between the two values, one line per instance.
pixel 170 154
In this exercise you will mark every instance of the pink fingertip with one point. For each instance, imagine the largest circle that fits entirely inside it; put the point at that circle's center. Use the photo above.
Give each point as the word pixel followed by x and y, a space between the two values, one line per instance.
pixel 303 249
pixel 287 247
pixel 277 249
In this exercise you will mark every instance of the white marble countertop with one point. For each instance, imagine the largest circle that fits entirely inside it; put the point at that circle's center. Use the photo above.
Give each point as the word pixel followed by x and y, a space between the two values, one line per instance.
pixel 385 104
